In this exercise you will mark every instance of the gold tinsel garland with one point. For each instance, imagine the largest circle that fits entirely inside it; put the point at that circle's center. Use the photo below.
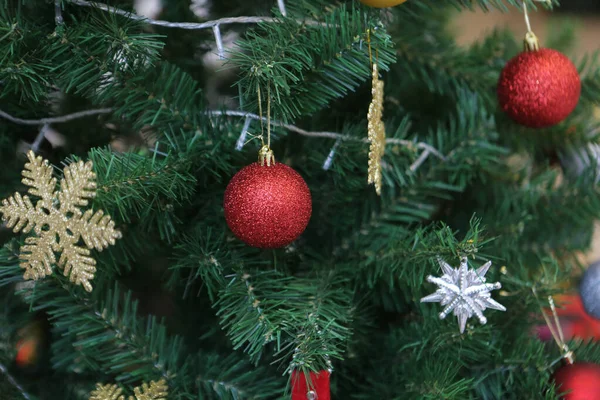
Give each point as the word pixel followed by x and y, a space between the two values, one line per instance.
pixel 376 131
pixel 58 221
pixel 157 390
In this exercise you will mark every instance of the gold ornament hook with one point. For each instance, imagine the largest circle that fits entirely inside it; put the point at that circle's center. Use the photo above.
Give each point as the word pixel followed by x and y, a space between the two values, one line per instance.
pixel 531 42
pixel 265 155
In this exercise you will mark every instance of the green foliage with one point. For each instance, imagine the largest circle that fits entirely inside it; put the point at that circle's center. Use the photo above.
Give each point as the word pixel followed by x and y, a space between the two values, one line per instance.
pixel 590 84
pixel 405 257
pixel 179 297
pixel 103 334
pixel 136 188
pixel 209 257
pixel 433 60
pixel 563 39
pixel 285 312
pixel 99 49
pixel 261 307
pixel 89 334
pixel 303 66
pixel 163 95
pixel 232 378
pixel 22 71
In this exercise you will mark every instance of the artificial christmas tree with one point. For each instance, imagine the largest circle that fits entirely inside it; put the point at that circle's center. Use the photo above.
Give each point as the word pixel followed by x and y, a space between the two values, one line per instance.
pixel 163 112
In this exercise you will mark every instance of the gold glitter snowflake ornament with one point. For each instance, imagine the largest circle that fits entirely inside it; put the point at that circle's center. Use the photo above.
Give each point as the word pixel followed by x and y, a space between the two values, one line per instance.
pixel 376 131
pixel 154 391
pixel 58 221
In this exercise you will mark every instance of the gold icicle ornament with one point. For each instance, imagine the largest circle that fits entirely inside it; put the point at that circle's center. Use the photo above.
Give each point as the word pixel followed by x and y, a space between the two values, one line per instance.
pixel 155 391
pixel 376 131
pixel 58 221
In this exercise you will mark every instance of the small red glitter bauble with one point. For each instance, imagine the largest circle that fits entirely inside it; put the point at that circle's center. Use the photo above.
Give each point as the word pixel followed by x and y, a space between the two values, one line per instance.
pixel 580 380
pixel 267 206
pixel 539 88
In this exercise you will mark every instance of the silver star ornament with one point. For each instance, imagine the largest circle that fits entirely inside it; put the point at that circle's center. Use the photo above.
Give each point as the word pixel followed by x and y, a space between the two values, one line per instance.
pixel 463 291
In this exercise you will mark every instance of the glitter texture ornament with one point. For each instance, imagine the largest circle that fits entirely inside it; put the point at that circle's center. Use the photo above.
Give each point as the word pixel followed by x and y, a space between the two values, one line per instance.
pixel 382 3
pixel 267 206
pixel 155 391
pixel 376 131
pixel 589 290
pixel 58 221
pixel 313 387
pixel 578 381
pixel 464 292
pixel 539 88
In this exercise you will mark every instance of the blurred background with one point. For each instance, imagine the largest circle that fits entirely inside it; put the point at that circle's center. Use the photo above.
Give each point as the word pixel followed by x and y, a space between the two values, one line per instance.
pixel 582 17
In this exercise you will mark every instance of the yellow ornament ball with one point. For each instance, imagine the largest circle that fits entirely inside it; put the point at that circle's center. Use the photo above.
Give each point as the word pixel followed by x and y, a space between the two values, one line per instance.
pixel 382 3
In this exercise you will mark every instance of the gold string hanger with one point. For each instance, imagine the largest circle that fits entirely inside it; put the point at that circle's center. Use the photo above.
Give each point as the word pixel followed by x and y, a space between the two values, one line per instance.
pixel 556 330
pixel 265 154
pixel 531 42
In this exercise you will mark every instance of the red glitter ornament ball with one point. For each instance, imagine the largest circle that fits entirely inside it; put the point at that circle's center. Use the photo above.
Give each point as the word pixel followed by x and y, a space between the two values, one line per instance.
pixel 315 386
pixel 539 88
pixel 267 206
pixel 579 381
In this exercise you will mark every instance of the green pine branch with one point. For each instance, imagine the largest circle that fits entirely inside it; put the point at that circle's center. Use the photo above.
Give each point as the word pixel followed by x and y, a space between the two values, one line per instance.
pixel 10 272
pixel 466 141
pixel 404 257
pixel 232 378
pixel 250 309
pixel 589 69
pixel 142 189
pixel 542 214
pixel 100 50
pixel 265 310
pixel 266 307
pixel 497 359
pixel 434 61
pixel 207 256
pixel 169 102
pixel 163 96
pixel 23 71
pixel 332 60
pixel 104 335
pixel 322 334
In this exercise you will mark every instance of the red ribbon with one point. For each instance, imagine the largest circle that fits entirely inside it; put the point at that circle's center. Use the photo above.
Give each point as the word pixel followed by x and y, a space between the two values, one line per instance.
pixel 313 387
